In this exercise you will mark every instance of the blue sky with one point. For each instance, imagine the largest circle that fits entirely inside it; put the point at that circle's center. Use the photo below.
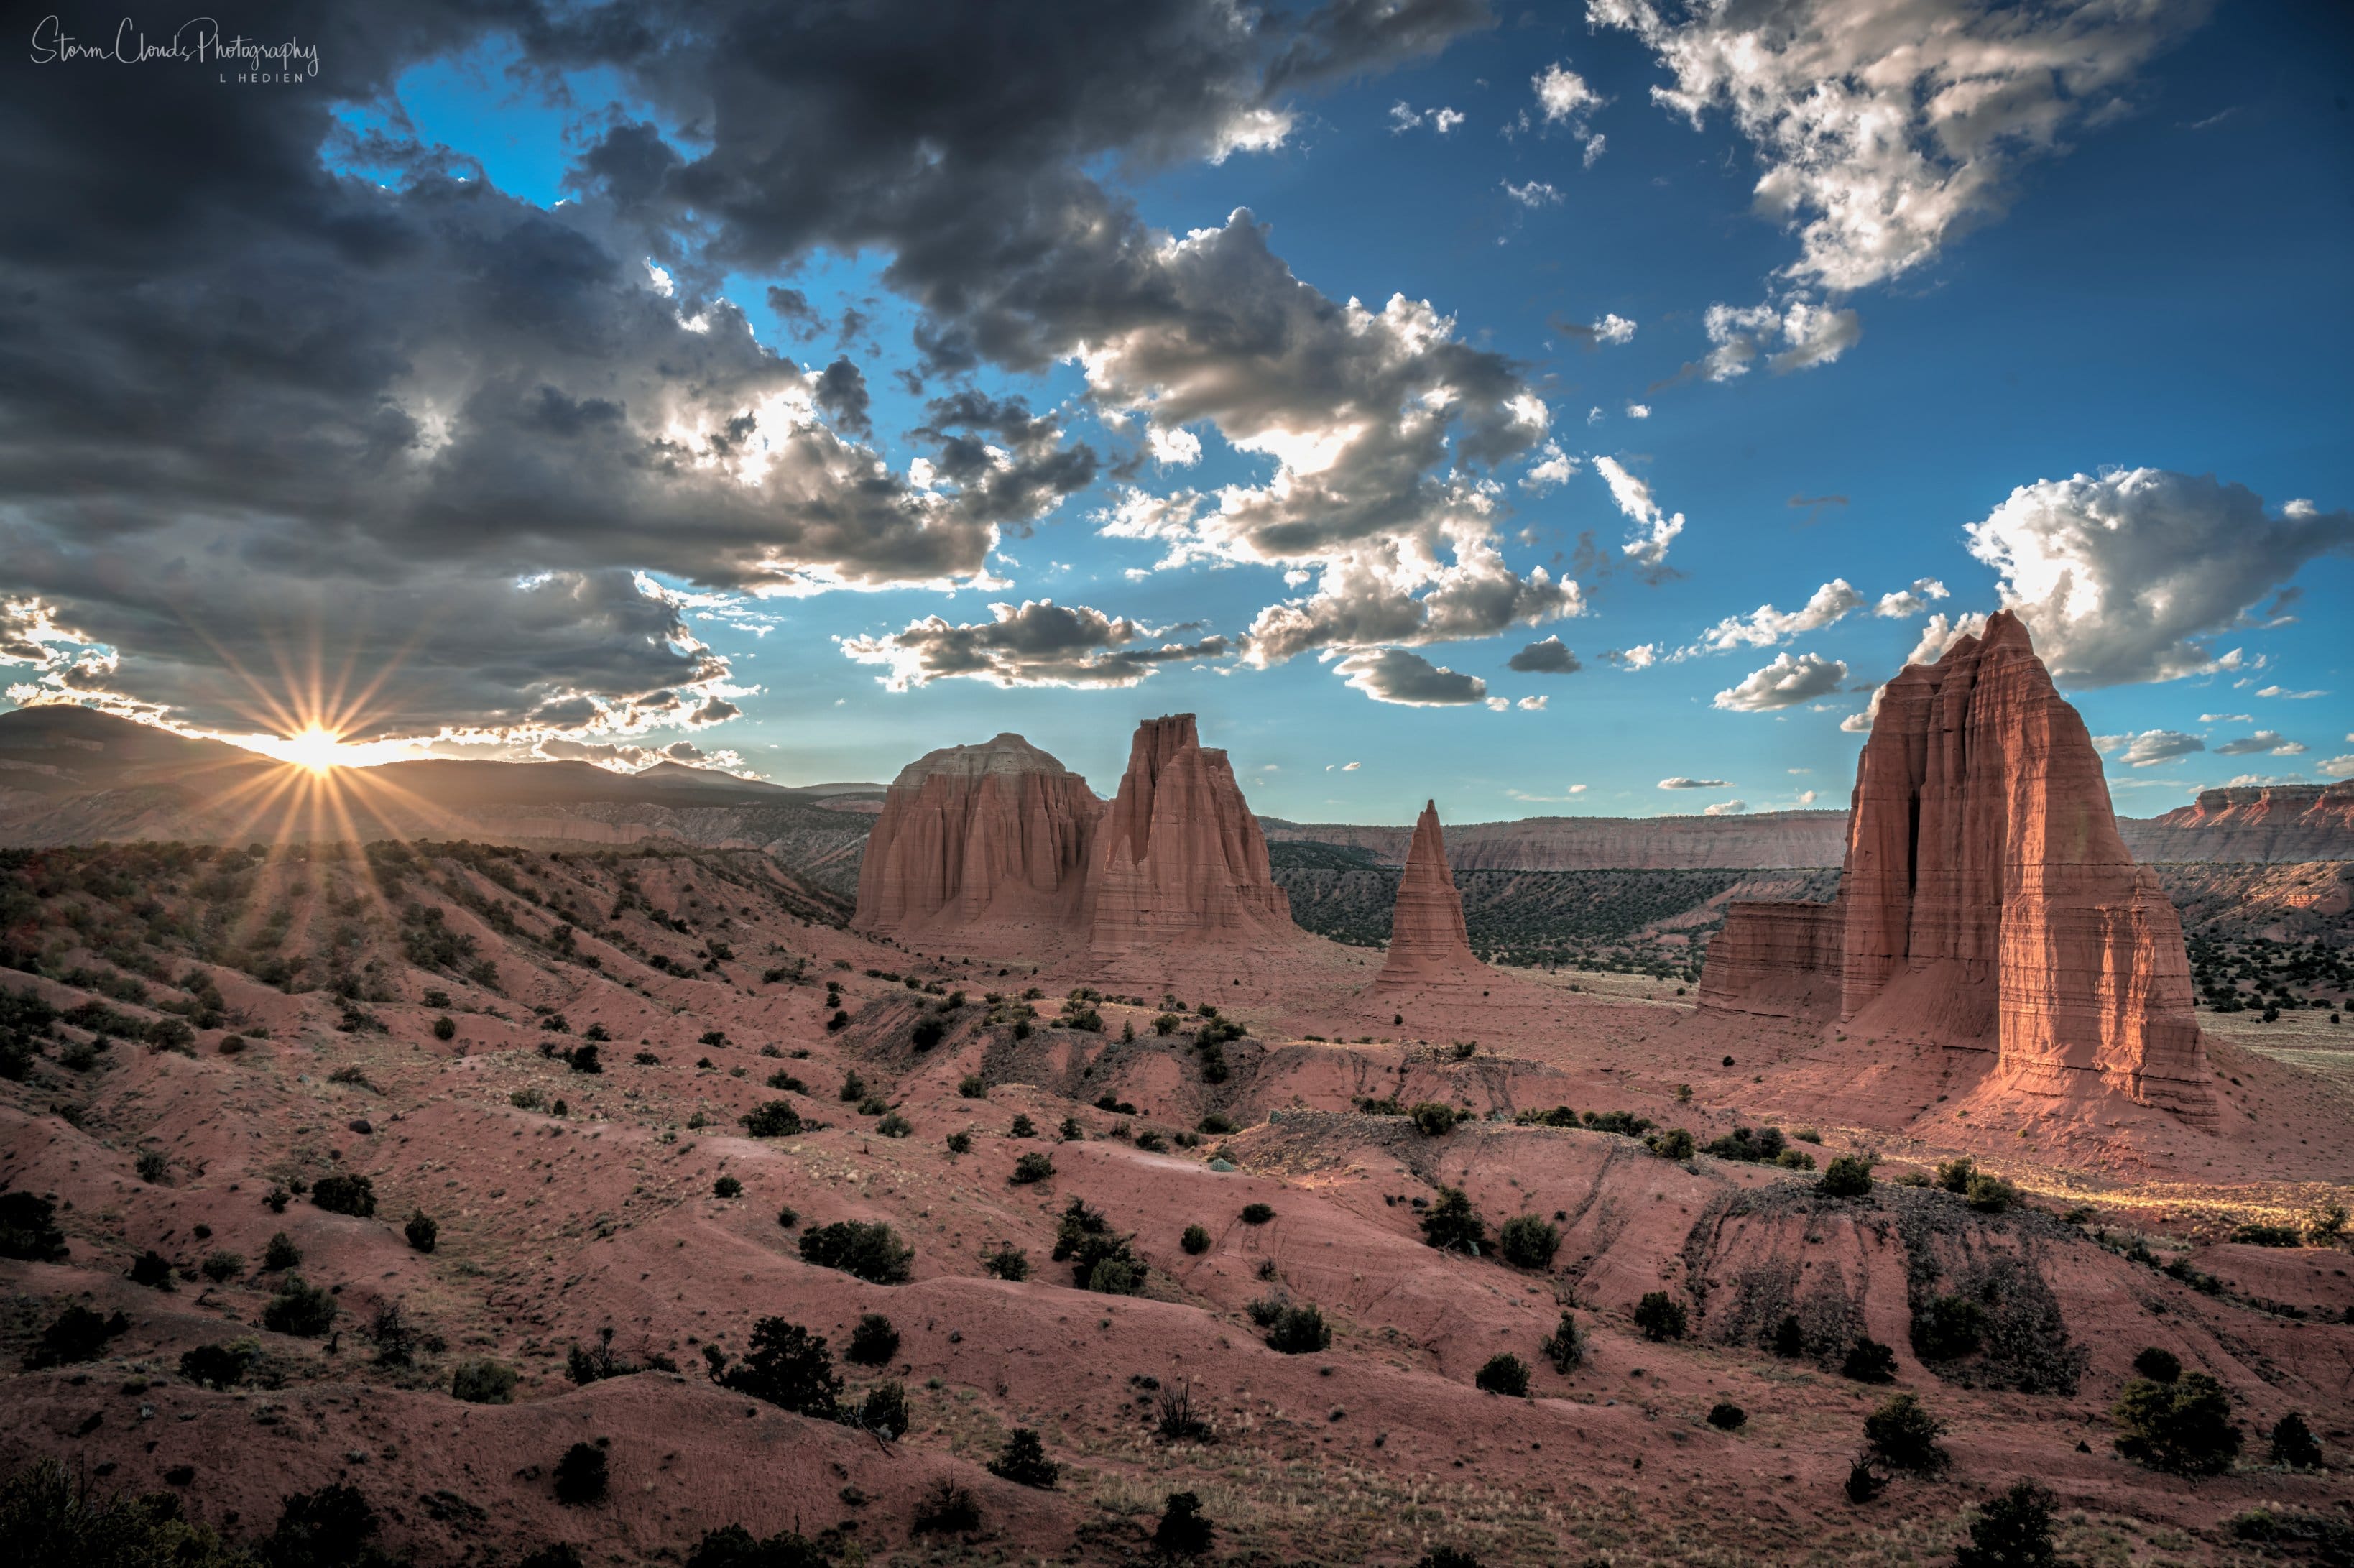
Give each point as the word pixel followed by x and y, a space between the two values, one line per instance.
pixel 2157 286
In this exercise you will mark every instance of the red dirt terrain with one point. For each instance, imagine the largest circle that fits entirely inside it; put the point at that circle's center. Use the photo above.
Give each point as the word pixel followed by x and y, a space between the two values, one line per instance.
pixel 570 1202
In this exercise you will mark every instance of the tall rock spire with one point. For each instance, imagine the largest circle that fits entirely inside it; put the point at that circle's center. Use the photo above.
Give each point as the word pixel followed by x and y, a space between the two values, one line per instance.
pixel 1987 901
pixel 1428 943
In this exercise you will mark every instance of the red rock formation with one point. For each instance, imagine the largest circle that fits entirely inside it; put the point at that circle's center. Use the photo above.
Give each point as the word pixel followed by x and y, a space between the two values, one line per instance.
pixel 2273 822
pixel 1179 859
pixel 1987 901
pixel 1428 945
pixel 979 842
pixel 1776 958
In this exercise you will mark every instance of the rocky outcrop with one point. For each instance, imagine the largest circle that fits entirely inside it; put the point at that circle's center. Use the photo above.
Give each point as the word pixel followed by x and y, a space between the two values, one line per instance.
pixel 1778 958
pixel 1179 859
pixel 979 842
pixel 1428 945
pixel 2273 823
pixel 1986 900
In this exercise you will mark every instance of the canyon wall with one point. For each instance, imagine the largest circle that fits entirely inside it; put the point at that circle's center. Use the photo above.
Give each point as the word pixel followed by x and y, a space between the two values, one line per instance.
pixel 1428 945
pixel 2275 824
pixel 1987 899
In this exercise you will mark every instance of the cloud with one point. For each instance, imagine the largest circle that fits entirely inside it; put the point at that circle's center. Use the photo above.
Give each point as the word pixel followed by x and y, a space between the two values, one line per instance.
pixel 1405 118
pixel 1785 682
pixel 2336 766
pixel 1648 552
pixel 1810 335
pixel 1861 723
pixel 1036 643
pixel 1547 656
pixel 1396 675
pixel 1725 808
pixel 1638 410
pixel 1534 193
pixel 1883 131
pixel 2286 695
pixel 1806 796
pixel 2153 747
pixel 1905 603
pixel 2125 576
pixel 2264 741
pixel 1642 656
pixel 1564 99
pixel 1680 782
pixel 1531 704
pixel 1552 468
pixel 1940 632
pixel 1765 626
pixel 2227 718
pixel 393 409
pixel 1612 329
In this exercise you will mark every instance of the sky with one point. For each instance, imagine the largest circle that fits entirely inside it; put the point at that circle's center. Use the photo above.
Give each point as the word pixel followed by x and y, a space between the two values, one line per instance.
pixel 1573 409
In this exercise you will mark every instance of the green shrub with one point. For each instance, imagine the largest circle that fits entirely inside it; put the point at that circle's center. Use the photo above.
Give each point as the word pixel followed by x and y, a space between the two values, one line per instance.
pixel 346 1192
pixel 76 1334
pixel 330 1527
pixel 1528 1242
pixel 2158 1365
pixel 788 1216
pixel 1195 1240
pixel 1446 1557
pixel 947 1509
pixel 773 1119
pixel 928 1033
pixel 1954 1175
pixel 1257 1214
pixel 582 1475
pixel 1503 1374
pixel 1794 1160
pixel 2294 1444
pixel 1953 1326
pixel 871 1251
pixel 219 1366
pixel 734 1547
pixel 154 1168
pixel 2014 1531
pixel 1868 1360
pixel 1789 1338
pixel 445 1028
pixel 1183 1531
pixel 153 1269
pixel 727 1187
pixel 1452 1224
pixel 1299 1332
pixel 1990 1194
pixel 787 1083
pixel 1848 1176
pixel 884 1410
pixel 1032 1166
pixel 2184 1427
pixel 1727 1416
pixel 1008 1262
pixel 873 1341
pixel 1565 1348
pixel 1760 1145
pixel 1023 1461
pixel 221 1267
pixel 959 1142
pixel 299 1308
pixel 1099 1257
pixel 2261 1235
pixel 1676 1143
pixel 1903 1435
pixel 1022 1127
pixel 1432 1119
pixel 54 1518
pixel 1214 1124
pixel 853 1087
pixel 894 1125
pixel 971 1088
pixel 788 1366
pixel 281 1254
pixel 28 1228
pixel 1660 1316
pixel 424 1235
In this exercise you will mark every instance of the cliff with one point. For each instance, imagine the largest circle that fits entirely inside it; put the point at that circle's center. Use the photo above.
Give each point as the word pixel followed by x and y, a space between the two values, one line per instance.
pixel 1428 945
pixel 1987 899
pixel 2277 823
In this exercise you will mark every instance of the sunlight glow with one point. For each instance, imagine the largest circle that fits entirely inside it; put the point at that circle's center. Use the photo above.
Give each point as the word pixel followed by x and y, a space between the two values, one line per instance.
pixel 314 747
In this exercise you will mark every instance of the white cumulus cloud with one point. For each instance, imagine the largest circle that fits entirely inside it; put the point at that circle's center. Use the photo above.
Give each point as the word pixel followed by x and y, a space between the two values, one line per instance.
pixel 1785 682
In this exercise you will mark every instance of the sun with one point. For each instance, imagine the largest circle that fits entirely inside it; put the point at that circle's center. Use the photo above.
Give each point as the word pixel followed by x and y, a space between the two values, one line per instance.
pixel 312 746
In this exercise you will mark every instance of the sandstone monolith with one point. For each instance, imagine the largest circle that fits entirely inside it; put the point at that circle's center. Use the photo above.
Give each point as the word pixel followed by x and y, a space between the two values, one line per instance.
pixel 978 844
pixel 1987 901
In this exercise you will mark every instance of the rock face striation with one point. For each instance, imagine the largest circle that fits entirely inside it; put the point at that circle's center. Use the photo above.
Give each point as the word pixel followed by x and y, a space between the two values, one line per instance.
pixel 1428 945
pixel 2270 823
pixel 984 842
pixel 1986 901
pixel 1002 846
pixel 1179 859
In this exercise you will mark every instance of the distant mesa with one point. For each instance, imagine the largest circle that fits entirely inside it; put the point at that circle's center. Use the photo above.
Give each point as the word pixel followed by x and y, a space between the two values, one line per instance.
pixel 1428 943
pixel 1986 901
pixel 998 843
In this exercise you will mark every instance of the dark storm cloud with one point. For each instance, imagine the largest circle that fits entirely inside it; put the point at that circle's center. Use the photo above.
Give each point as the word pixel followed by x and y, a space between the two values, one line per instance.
pixel 1037 643
pixel 250 401
pixel 1546 656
